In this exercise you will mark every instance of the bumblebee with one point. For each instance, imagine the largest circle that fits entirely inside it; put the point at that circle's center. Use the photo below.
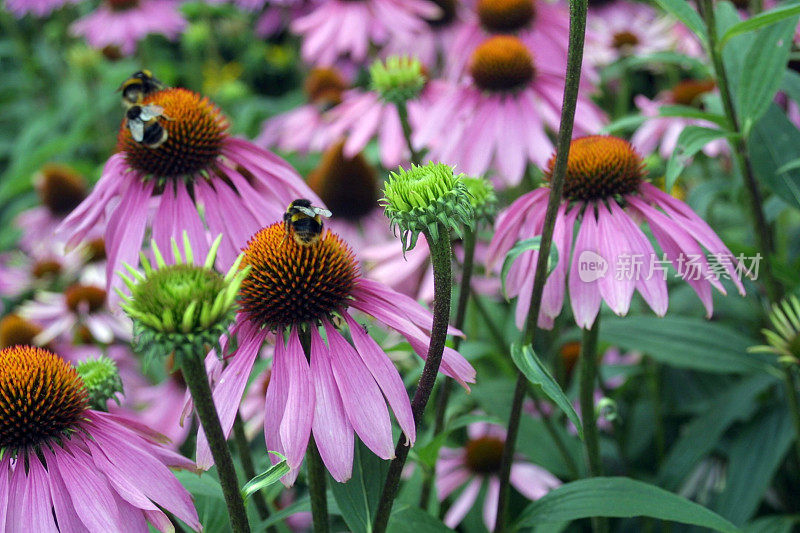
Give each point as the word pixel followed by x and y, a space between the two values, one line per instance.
pixel 144 125
pixel 303 221
pixel 139 85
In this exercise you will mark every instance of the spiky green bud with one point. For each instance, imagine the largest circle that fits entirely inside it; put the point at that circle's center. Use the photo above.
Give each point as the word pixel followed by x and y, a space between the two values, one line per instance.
pixel 398 79
pixel 102 381
pixel 425 199
pixel 482 198
pixel 183 307
pixel 784 339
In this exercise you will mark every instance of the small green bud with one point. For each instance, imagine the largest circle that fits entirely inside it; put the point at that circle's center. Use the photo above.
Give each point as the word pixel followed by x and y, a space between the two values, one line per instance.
pixel 783 340
pixel 181 308
pixel 398 80
pixel 482 198
pixel 102 381
pixel 425 199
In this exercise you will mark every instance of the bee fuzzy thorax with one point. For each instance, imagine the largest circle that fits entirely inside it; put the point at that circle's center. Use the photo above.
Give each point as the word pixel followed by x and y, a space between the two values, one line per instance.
pixel 303 221
pixel 140 85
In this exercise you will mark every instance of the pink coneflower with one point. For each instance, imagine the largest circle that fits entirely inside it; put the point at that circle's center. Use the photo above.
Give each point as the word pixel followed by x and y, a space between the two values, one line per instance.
pixel 38 8
pixel 344 390
pixel 541 25
pixel 236 185
pixel 307 128
pixel 339 28
pixel 499 119
pixel 663 132
pixel 65 467
pixel 478 462
pixel 432 46
pixel 80 311
pixel 625 29
pixel 123 23
pixel 605 199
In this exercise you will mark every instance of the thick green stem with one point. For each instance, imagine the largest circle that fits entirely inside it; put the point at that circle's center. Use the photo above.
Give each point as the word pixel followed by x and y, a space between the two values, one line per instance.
pixel 402 111
pixel 763 233
pixel 194 372
pixel 458 323
pixel 441 260
pixel 246 459
pixel 577 30
pixel 794 406
pixel 316 488
pixel 588 379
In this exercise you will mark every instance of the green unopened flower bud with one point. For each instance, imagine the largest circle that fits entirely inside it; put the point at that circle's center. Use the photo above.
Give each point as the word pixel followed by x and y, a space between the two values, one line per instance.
pixel 181 308
pixel 397 80
pixel 784 339
pixel 425 199
pixel 102 381
pixel 482 198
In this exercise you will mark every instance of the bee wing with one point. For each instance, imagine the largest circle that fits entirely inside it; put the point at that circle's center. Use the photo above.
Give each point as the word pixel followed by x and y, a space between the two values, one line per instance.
pixel 322 212
pixel 137 129
pixel 306 210
pixel 150 112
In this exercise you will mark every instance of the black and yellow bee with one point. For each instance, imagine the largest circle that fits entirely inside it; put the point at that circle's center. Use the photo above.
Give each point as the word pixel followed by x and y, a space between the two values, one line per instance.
pixel 139 85
pixel 145 126
pixel 303 221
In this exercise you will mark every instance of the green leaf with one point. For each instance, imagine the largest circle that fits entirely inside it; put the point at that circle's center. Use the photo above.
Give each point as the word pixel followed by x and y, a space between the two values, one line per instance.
pixel 774 143
pixel 791 165
pixel 624 123
pixel 530 365
pixel 773 524
pixel 759 21
pixel 691 140
pixel 270 476
pixel 407 519
pixel 762 71
pixel 528 245
pixel 692 112
pixel 621 498
pixel 358 498
pixel 687 15
pixel 684 342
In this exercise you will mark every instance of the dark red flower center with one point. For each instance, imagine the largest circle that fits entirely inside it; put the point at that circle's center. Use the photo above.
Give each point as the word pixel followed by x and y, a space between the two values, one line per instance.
pixel 41 396
pixel 506 16
pixel 195 129
pixel 85 298
pixel 687 92
pixel 290 283
pixel 324 87
pixel 46 268
pixel 122 5
pixel 347 186
pixel 60 188
pixel 484 455
pixel 16 330
pixel 600 166
pixel 624 39
pixel 501 64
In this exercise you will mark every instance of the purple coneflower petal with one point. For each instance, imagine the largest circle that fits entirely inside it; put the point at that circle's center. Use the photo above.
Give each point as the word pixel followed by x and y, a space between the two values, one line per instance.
pixel 448 481
pixel 298 415
pixel 532 481
pixel 463 503
pixel 613 246
pixel 584 296
pixel 65 513
pixel 125 230
pixel 36 504
pixel 490 503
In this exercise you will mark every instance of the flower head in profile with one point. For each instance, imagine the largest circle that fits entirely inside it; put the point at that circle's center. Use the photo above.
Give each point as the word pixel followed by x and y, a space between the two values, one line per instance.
pixel 398 79
pixel 343 28
pixel 497 120
pixel 121 24
pixel 783 339
pixel 605 199
pixel 339 385
pixel 478 463
pixel 237 186
pixel 66 467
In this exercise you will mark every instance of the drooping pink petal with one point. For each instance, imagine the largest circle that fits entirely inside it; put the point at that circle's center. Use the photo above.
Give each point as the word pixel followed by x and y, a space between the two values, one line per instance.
pixel 463 504
pixel 490 503
pixel 36 503
pixel 67 518
pixel 532 481
pixel 584 294
pixel 616 287
pixel 298 415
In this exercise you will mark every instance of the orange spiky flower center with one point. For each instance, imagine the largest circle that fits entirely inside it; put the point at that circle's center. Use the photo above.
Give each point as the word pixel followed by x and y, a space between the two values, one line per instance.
pixel 60 188
pixel 506 16
pixel 624 40
pixel 484 455
pixel 291 284
pixel 16 330
pixel 502 63
pixel 84 298
pixel 687 92
pixel 324 87
pixel 196 130
pixel 41 397
pixel 347 186
pixel 600 166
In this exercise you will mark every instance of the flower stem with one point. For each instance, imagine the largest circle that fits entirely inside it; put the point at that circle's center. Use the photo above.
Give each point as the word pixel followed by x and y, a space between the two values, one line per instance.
pixel 402 111
pixel 588 379
pixel 316 488
pixel 245 457
pixel 196 378
pixel 763 233
pixel 794 406
pixel 458 323
pixel 441 260
pixel 577 30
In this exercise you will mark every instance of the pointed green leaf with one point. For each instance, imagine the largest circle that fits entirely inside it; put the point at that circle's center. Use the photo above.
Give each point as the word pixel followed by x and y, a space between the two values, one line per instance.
pixel 526 246
pixel 759 21
pixel 269 477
